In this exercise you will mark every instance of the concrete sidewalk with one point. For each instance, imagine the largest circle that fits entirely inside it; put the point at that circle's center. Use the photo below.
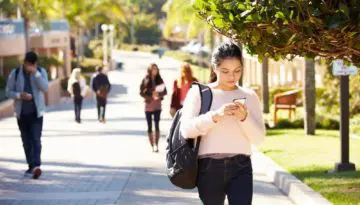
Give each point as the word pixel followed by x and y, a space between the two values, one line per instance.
pixel 103 164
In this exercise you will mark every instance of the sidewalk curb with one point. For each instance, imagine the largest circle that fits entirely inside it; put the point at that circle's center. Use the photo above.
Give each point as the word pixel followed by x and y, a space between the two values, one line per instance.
pixel 297 191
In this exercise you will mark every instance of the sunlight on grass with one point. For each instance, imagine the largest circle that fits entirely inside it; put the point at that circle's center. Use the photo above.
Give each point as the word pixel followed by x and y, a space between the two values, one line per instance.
pixel 311 157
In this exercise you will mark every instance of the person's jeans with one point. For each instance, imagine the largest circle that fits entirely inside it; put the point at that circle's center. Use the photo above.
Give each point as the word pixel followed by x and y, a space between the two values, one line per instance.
pixel 77 107
pixel 156 115
pixel 229 176
pixel 101 107
pixel 31 128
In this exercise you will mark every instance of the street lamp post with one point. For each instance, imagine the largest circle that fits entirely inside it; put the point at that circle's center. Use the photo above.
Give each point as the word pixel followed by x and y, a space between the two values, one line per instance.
pixel 104 28
pixel 111 36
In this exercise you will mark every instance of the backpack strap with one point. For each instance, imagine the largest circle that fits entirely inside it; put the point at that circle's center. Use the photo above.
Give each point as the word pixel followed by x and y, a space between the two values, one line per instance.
pixel 16 73
pixel 206 97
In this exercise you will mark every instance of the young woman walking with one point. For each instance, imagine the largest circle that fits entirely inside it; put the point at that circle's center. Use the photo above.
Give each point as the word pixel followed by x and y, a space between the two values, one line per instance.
pixel 153 90
pixel 227 131
pixel 181 87
pixel 77 89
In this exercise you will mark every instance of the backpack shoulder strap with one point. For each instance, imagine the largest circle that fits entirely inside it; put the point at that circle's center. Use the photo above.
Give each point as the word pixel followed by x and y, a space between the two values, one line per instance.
pixel 206 97
pixel 17 70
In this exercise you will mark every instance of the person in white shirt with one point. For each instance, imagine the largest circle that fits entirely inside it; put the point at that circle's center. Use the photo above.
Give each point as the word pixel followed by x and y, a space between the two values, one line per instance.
pixel 227 131
pixel 77 89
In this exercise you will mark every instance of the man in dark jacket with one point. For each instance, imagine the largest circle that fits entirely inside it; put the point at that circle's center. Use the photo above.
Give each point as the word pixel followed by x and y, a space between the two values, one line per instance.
pixel 101 86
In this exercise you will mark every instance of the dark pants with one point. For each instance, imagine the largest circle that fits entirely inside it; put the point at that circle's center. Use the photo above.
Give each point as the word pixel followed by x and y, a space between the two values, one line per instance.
pixel 101 107
pixel 31 127
pixel 230 176
pixel 156 115
pixel 77 107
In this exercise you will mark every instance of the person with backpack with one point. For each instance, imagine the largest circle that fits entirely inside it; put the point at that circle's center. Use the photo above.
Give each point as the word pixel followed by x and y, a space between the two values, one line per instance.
pixel 101 86
pixel 153 90
pixel 77 89
pixel 27 85
pixel 233 123
pixel 181 87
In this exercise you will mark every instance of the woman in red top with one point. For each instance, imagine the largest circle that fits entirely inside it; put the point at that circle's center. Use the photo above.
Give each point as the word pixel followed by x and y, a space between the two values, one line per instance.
pixel 181 88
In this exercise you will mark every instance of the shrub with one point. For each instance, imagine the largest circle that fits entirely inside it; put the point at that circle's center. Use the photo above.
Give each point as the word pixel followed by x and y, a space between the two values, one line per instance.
pixel 321 123
pixel 88 65
pixel 355 124
pixel 10 64
pixel 283 124
pixel 48 62
pixel 2 82
pixel 330 97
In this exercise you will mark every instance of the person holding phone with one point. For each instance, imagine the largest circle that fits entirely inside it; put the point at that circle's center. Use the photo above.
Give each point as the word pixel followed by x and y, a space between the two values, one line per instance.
pixel 153 90
pixel 27 85
pixel 227 131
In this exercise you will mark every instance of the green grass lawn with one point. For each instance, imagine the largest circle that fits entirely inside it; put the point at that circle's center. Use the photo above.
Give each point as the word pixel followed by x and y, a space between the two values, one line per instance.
pixel 311 157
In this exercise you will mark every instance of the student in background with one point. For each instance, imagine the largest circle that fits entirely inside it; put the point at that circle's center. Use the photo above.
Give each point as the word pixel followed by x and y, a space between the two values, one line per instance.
pixel 153 90
pixel 181 87
pixel 77 89
pixel 101 86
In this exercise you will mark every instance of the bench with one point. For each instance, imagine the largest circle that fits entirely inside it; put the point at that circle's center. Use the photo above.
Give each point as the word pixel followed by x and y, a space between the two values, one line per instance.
pixel 285 101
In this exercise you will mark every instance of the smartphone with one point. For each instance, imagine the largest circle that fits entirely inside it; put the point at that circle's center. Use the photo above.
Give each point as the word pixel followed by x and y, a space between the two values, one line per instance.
pixel 239 100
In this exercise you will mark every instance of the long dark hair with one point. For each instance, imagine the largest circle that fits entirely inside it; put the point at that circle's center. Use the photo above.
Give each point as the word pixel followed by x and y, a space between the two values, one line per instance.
pixel 147 86
pixel 213 77
pixel 224 51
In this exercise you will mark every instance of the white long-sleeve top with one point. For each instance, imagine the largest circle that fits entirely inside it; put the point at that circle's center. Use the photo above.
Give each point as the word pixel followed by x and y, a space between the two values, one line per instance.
pixel 229 136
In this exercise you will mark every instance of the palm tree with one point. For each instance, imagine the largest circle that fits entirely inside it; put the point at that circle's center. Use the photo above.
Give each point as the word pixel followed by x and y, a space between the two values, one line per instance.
pixel 180 13
pixel 86 14
pixel 31 10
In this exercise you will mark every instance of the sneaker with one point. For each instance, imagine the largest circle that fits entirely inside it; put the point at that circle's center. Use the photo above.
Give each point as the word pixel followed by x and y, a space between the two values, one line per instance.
pixel 155 148
pixel 28 172
pixel 36 172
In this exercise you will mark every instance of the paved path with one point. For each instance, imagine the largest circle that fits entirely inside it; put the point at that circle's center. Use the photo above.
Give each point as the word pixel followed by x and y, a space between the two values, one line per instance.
pixel 104 164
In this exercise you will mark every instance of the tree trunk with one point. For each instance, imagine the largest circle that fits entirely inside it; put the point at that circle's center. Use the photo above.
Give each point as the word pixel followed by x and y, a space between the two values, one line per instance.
pixel 309 97
pixel 26 33
pixel 265 85
pixel 78 48
pixel 82 45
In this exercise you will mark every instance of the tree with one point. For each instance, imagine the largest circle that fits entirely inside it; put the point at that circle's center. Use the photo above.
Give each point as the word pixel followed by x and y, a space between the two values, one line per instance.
pixel 31 10
pixel 265 85
pixel 288 28
pixel 181 14
pixel 84 15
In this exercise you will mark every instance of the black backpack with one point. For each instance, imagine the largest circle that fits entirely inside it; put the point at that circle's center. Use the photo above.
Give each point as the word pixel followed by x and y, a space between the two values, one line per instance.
pixel 76 89
pixel 181 153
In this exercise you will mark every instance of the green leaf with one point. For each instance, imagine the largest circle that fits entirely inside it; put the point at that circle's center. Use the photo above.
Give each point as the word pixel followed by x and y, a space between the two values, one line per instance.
pixel 213 6
pixel 256 35
pixel 344 9
pixel 231 17
pixel 280 15
pixel 270 29
pixel 241 7
pixel 219 22
pixel 291 14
